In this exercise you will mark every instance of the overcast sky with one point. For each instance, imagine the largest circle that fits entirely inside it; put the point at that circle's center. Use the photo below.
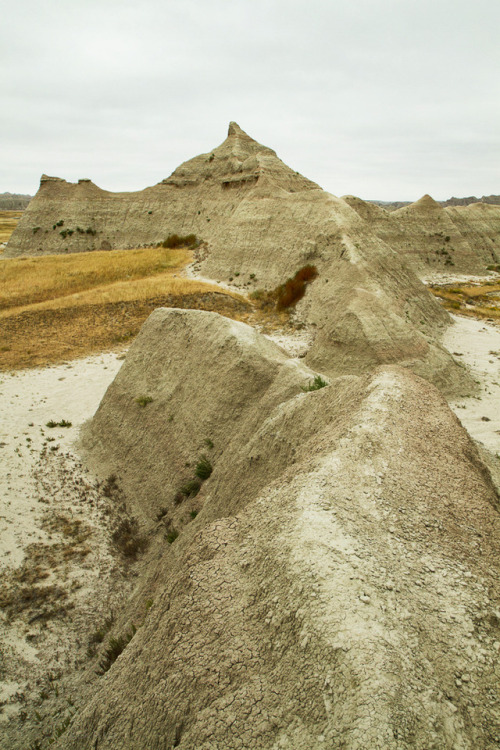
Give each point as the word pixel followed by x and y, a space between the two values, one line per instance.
pixel 386 99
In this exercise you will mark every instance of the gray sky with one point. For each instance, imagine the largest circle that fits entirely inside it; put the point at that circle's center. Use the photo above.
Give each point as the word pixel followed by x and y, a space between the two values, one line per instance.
pixel 386 99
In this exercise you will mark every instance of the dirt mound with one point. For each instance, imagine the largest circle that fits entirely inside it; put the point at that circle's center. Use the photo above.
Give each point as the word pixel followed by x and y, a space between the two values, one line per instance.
pixel 328 592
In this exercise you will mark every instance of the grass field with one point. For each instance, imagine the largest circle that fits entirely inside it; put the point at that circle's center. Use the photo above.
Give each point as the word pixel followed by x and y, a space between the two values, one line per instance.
pixel 8 222
pixel 58 307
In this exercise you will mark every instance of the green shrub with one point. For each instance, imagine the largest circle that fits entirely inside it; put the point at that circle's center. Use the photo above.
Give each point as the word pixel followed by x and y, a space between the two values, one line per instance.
pixel 315 384
pixel 172 536
pixel 114 649
pixel 143 400
pixel 191 488
pixel 203 468
pixel 62 423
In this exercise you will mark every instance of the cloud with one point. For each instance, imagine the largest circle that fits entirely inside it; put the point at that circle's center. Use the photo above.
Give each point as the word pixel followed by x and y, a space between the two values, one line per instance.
pixel 379 98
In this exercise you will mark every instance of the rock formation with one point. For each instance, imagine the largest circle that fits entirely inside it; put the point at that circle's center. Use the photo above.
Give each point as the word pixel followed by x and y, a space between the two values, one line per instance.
pixel 430 237
pixel 329 593
pixel 250 209
pixel 263 221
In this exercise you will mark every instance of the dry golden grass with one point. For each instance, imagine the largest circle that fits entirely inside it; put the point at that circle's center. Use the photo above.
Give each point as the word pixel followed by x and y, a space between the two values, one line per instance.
pixel 8 222
pixel 473 301
pixel 55 308
pixel 25 281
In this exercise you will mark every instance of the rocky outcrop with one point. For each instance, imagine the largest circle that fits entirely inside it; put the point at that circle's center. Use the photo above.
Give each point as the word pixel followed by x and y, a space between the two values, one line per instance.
pixel 328 593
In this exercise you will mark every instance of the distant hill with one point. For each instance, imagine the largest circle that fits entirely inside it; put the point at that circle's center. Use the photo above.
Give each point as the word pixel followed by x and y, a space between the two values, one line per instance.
pixel 394 205
pixel 14 201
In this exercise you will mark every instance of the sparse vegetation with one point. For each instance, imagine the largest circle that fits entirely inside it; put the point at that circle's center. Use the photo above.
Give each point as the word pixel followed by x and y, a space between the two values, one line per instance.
pixel 128 539
pixel 99 635
pixel 62 423
pixel 315 384
pixel 478 301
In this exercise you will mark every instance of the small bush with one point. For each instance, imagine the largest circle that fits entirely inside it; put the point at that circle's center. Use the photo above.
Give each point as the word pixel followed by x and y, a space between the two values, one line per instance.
pixel 175 240
pixel 315 384
pixel 289 293
pixel 203 468
pixel 209 443
pixel 62 423
pixel 110 486
pixel 172 536
pixel 99 635
pixel 127 538
pixel 143 400
pixel 114 649
pixel 191 488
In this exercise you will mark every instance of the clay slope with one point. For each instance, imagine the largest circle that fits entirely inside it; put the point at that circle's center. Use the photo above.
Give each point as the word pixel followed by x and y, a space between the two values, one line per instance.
pixel 430 237
pixel 339 586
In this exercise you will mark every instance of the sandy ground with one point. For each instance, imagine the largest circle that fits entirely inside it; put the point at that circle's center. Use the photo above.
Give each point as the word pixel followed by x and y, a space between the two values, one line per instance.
pixel 57 574
pixel 477 345
pixel 450 278
pixel 29 399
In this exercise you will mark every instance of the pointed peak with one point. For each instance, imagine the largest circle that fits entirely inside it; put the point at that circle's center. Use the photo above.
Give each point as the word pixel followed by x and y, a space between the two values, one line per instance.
pixel 427 201
pixel 234 129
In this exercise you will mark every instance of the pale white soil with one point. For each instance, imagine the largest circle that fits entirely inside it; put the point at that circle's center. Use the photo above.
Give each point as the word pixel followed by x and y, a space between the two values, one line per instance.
pixel 477 345
pixel 43 490
pixel 453 278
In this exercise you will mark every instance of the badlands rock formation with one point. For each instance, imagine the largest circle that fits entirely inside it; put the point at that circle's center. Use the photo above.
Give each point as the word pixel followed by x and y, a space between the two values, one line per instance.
pixel 262 221
pixel 251 209
pixel 462 239
pixel 333 583
pixel 339 585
